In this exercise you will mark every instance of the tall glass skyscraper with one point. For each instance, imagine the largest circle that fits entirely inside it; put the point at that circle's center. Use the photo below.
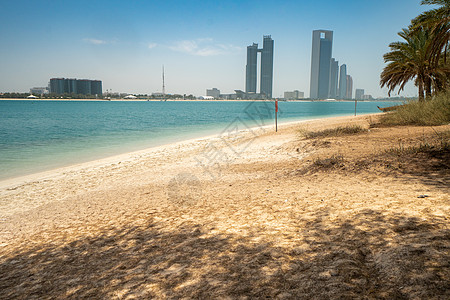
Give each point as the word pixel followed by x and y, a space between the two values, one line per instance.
pixel 322 44
pixel 250 71
pixel 267 67
pixel 334 75
pixel 266 77
pixel 349 92
pixel 343 82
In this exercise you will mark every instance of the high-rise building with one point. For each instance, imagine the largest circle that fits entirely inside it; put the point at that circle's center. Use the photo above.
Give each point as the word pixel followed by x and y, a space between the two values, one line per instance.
pixel 334 76
pixel 359 93
pixel 322 44
pixel 57 85
pixel 75 86
pixel 83 87
pixel 343 82
pixel 70 86
pixel 349 92
pixel 267 67
pixel 266 77
pixel 96 87
pixel 250 72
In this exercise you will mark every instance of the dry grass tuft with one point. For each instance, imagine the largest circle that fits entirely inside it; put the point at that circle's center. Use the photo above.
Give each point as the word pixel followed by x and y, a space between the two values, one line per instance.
pixel 428 113
pixel 439 145
pixel 333 132
pixel 335 161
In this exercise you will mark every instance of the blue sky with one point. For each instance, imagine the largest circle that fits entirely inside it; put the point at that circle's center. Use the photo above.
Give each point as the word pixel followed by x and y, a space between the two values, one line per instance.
pixel 202 44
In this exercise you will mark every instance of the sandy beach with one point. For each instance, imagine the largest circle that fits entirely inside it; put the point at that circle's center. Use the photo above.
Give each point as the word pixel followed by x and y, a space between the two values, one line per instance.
pixel 253 214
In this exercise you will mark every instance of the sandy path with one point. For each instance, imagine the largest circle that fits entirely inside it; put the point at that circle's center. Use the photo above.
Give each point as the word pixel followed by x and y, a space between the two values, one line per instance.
pixel 244 217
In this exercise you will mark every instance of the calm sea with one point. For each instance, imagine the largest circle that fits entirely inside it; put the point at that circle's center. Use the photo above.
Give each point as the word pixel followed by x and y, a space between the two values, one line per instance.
pixel 41 135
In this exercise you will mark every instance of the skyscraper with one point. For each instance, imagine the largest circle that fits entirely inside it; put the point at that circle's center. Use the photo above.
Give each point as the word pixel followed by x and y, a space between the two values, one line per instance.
pixel 343 82
pixel 267 67
pixel 322 44
pixel 250 71
pixel 266 77
pixel 334 75
pixel 349 93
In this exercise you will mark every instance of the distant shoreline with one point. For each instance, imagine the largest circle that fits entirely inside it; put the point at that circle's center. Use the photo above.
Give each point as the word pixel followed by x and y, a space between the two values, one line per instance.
pixel 198 100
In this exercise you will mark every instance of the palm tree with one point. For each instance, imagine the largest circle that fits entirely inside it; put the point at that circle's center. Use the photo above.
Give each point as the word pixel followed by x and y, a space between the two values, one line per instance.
pixel 409 60
pixel 438 21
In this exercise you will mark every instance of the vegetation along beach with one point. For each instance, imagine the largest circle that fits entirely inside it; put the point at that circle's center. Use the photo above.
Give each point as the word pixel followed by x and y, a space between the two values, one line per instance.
pixel 335 205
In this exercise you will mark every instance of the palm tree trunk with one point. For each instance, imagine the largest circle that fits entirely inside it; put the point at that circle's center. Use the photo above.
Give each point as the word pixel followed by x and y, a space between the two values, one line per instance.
pixel 427 83
pixel 421 97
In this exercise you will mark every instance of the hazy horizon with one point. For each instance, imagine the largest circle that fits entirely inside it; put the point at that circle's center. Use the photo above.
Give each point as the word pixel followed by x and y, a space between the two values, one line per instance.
pixel 202 45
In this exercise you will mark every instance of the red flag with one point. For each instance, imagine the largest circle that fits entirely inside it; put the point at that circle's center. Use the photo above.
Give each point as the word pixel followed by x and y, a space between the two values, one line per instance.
pixel 276 105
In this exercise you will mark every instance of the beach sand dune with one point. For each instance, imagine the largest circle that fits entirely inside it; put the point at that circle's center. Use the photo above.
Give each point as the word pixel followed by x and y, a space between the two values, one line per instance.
pixel 253 215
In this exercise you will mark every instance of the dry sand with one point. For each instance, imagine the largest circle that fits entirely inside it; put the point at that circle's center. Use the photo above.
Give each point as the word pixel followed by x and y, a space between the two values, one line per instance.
pixel 253 215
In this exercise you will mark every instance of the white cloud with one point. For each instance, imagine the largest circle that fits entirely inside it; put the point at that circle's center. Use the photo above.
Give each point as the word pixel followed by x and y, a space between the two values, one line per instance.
pixel 95 41
pixel 152 45
pixel 99 42
pixel 203 47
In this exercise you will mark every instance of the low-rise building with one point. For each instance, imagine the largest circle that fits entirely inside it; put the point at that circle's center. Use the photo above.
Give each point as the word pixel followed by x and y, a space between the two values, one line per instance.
pixel 294 95
pixel 359 93
pixel 214 92
pixel 39 90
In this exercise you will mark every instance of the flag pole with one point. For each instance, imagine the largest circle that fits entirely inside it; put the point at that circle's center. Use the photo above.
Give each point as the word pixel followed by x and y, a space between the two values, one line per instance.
pixel 276 115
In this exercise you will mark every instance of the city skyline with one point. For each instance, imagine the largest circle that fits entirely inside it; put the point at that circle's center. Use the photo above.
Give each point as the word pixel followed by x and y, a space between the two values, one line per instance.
pixel 266 67
pixel 200 44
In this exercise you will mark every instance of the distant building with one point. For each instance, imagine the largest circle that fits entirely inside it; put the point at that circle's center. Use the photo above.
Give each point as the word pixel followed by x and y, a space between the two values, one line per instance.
pixel 334 76
pixel 39 90
pixel 215 93
pixel 367 97
pixel 206 98
pixel 250 69
pixel 322 44
pixel 267 67
pixel 266 77
pixel 359 93
pixel 349 92
pixel 75 86
pixel 96 87
pixel 294 95
pixel 228 96
pixel 343 82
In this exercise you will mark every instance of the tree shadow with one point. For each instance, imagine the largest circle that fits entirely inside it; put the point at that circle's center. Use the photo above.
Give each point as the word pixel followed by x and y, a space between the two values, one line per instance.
pixel 368 255
pixel 429 166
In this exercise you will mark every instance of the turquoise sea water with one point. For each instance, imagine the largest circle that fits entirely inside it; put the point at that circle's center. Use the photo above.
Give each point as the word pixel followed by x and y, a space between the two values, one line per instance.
pixel 42 135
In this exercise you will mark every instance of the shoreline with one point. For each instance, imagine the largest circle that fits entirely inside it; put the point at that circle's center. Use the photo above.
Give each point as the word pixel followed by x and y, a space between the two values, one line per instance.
pixel 22 179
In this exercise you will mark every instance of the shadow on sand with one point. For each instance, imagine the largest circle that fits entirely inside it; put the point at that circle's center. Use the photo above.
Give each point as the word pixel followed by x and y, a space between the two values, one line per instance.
pixel 371 255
